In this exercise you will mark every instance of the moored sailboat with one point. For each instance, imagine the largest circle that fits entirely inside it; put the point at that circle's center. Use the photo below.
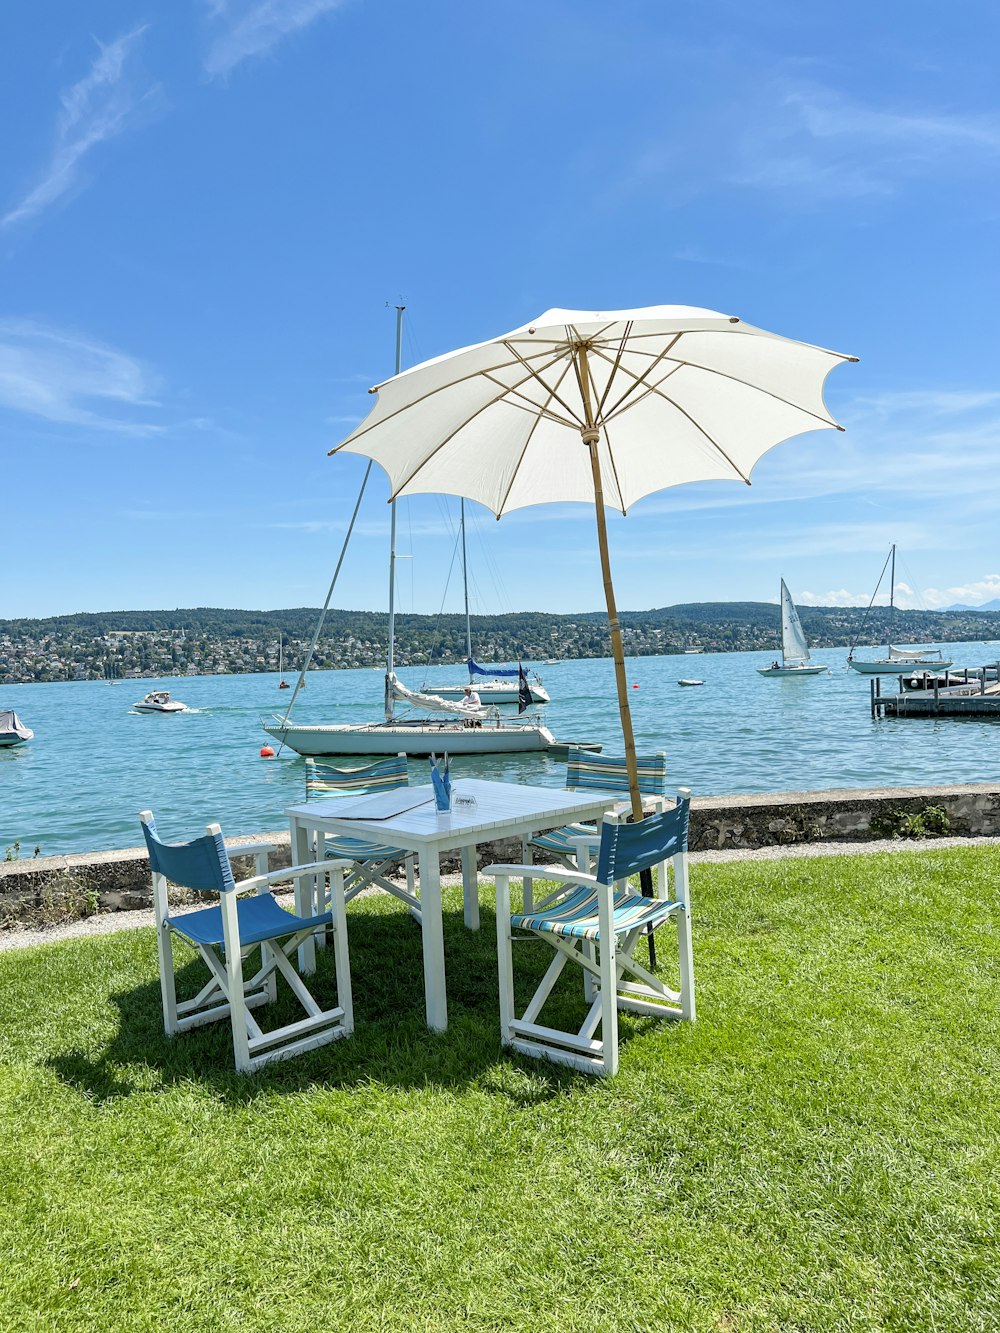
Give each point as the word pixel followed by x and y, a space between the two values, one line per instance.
pixel 494 685
pixel 897 661
pixel 795 659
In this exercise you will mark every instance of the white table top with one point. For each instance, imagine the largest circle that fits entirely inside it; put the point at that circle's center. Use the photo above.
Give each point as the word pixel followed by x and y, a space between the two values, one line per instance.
pixel 500 807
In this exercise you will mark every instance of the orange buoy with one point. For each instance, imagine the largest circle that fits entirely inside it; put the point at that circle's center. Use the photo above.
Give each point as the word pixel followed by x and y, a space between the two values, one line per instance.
pixel 634 685
pixel 266 752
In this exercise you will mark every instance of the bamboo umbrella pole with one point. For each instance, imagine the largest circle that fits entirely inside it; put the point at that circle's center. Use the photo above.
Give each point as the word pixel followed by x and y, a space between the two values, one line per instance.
pixel 590 435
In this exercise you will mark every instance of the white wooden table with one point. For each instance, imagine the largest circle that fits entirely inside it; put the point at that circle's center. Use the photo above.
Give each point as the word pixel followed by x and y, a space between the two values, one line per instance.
pixel 500 810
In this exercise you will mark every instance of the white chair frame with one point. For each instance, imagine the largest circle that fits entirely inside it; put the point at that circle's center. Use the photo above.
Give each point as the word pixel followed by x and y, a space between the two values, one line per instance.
pixel 613 978
pixel 229 993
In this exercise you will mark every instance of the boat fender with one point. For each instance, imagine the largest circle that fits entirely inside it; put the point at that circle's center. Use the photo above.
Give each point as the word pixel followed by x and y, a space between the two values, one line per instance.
pixel 266 752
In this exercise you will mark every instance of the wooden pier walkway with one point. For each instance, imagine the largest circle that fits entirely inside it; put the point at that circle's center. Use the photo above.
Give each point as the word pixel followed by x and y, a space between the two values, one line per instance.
pixel 972 692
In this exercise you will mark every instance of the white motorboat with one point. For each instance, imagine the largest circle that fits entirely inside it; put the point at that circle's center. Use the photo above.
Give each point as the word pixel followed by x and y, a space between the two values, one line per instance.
pixel 159 701
pixel 12 729
pixel 795 660
pixel 897 661
pixel 690 682
pixel 507 686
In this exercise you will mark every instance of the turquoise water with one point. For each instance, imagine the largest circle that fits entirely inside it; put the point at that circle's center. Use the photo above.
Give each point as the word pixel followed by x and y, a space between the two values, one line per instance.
pixel 77 787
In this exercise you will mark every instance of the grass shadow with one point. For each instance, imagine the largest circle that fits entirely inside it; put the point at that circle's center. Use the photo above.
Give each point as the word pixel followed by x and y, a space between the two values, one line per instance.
pixel 391 1044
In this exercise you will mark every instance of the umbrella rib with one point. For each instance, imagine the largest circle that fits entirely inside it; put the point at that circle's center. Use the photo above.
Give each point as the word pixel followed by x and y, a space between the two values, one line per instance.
pixel 614 369
pixel 708 370
pixel 524 450
pixel 408 406
pixel 461 426
pixel 638 379
pixel 547 387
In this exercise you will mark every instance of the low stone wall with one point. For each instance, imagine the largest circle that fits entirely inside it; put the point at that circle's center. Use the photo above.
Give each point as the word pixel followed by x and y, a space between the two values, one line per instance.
pixel 59 888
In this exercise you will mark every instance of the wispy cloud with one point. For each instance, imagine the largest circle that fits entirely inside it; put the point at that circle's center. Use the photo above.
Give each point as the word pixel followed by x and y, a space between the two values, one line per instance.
pixel 821 144
pixel 803 143
pixel 67 379
pixel 252 29
pixel 95 109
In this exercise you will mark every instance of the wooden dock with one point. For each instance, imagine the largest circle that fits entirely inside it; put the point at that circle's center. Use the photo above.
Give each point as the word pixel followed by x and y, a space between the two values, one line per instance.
pixel 971 692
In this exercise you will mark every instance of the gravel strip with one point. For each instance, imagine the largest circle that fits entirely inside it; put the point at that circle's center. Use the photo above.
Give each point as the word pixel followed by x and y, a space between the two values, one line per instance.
pixel 106 923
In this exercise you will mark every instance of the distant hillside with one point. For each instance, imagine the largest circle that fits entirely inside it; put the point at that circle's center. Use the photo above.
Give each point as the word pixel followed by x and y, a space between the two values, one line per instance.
pixel 205 640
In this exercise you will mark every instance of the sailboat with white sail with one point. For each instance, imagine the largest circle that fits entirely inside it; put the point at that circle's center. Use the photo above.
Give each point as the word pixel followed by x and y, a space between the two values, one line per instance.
pixel 458 729
pixel 493 684
pixel 897 661
pixel 795 659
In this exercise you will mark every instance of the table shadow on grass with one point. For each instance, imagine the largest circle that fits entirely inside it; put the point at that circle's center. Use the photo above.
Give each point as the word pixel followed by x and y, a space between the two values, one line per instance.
pixel 391 1044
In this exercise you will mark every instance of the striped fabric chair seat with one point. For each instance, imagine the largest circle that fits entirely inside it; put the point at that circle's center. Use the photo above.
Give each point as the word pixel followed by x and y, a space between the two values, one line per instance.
pixel 600 772
pixel 578 914
pixel 371 859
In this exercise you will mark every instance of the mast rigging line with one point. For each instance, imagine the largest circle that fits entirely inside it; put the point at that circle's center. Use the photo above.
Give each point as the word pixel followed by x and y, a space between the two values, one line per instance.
pixel 326 604
pixel 864 618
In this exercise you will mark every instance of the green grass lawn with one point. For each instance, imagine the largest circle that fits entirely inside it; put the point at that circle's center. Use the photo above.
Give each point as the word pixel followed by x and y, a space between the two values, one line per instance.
pixel 818 1152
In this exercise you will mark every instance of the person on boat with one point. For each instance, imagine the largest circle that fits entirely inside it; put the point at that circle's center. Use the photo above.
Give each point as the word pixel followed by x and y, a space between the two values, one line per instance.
pixel 775 665
pixel 471 700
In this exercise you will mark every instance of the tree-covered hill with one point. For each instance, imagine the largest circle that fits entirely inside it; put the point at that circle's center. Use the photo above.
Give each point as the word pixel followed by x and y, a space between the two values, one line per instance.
pixel 197 640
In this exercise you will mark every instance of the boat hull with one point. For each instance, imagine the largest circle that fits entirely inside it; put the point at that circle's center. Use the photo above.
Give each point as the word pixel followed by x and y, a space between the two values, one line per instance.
pixel 886 667
pixel 789 672
pixel 421 738
pixel 159 708
pixel 9 740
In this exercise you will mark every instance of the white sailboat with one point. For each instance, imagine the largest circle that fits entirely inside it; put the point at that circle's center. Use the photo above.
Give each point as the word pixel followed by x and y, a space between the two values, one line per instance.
pixel 462 730
pixel 897 661
pixel 504 688
pixel 795 660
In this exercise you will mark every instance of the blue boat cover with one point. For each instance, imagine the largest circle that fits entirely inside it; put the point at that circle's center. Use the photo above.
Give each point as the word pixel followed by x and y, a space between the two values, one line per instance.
pixel 476 670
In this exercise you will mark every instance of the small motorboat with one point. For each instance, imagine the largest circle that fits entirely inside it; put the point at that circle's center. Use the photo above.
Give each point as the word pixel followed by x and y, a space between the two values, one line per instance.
pixel 690 682
pixel 12 729
pixel 159 701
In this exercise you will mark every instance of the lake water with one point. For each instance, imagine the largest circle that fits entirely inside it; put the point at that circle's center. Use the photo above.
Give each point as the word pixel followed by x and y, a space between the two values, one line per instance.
pixel 77 787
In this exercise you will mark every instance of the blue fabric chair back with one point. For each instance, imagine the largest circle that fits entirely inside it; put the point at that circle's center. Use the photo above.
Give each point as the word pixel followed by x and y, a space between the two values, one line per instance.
pixel 325 780
pixel 201 864
pixel 628 848
pixel 601 772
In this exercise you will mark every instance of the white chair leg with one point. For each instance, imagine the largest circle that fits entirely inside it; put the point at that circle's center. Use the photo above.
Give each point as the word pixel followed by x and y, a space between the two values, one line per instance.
pixel 234 982
pixel 609 978
pixel 505 960
pixel 685 950
pixel 528 888
pixel 165 956
pixel 341 953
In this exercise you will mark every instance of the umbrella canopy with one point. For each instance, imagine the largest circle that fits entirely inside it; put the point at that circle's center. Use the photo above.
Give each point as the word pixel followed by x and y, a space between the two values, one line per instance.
pixel 596 406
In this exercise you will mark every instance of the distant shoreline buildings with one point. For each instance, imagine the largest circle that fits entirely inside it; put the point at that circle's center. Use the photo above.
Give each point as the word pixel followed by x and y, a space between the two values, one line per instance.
pixel 131 645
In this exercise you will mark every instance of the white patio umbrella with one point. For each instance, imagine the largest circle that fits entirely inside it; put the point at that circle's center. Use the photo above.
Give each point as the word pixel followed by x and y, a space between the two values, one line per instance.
pixel 597 406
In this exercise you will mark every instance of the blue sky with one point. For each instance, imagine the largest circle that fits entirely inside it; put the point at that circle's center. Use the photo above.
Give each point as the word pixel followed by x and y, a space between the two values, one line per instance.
pixel 208 209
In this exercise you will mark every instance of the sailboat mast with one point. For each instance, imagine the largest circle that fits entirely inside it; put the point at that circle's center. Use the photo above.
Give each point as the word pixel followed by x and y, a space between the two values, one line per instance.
pixel 465 584
pixel 892 579
pixel 389 663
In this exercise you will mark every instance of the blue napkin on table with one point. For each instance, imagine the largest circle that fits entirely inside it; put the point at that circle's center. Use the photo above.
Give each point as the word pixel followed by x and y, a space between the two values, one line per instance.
pixel 442 784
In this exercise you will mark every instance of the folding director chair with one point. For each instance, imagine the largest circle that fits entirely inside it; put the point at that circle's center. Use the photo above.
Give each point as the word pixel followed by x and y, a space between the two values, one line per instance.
pixel 595 921
pixel 226 935
pixel 371 860
pixel 599 772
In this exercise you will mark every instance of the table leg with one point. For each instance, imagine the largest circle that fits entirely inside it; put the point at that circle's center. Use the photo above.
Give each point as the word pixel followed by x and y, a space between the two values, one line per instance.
pixel 303 891
pixel 432 938
pixel 470 887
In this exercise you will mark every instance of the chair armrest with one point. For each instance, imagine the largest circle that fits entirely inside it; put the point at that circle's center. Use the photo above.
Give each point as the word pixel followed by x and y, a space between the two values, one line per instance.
pixel 557 873
pixel 252 848
pixel 293 872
